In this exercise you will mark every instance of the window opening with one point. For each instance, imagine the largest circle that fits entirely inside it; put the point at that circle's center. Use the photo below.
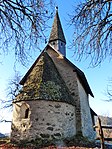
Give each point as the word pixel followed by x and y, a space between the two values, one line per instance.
pixel 27 113
pixel 53 43
pixel 24 111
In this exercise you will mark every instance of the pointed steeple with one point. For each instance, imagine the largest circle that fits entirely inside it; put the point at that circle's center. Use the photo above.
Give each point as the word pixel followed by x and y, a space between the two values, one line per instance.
pixel 57 38
pixel 57 31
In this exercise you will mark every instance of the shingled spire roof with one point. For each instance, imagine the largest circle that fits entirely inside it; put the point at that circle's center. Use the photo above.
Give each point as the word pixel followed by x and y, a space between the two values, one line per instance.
pixel 57 31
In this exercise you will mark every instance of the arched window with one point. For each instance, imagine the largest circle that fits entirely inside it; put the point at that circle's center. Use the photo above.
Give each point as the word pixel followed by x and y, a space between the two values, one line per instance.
pixel 24 111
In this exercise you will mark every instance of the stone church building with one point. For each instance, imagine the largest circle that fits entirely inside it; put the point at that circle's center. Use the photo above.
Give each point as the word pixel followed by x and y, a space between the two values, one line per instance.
pixel 54 100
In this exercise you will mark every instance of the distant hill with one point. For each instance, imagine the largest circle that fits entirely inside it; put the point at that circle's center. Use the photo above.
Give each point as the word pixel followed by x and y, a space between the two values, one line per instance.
pixel 2 135
pixel 105 120
pixel 7 134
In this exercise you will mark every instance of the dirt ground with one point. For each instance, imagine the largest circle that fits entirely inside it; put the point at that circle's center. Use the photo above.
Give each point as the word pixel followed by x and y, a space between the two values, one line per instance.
pixel 50 147
pixel 5 144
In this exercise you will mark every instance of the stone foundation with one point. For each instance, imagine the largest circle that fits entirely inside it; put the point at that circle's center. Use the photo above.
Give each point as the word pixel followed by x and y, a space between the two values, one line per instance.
pixel 46 120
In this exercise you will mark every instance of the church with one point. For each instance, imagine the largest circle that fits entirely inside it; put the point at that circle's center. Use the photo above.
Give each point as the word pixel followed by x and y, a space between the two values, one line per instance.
pixel 54 100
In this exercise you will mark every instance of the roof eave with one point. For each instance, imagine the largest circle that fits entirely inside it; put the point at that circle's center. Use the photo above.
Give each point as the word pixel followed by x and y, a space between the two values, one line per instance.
pixel 51 40
pixel 82 77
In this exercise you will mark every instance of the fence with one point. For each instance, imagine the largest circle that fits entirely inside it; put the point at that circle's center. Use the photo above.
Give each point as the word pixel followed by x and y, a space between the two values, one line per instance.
pixel 101 134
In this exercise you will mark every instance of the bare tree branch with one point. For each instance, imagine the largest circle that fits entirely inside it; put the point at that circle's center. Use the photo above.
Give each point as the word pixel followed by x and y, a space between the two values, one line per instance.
pixel 6 121
pixel 108 92
pixel 92 21
pixel 22 25
pixel 13 89
pixel 6 103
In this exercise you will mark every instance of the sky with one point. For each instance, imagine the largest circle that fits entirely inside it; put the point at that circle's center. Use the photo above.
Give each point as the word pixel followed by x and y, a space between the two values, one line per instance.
pixel 97 77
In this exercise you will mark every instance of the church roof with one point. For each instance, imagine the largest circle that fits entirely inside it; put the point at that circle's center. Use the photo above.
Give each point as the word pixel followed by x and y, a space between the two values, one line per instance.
pixel 49 85
pixel 43 82
pixel 76 69
pixel 93 113
pixel 57 31
pixel 81 76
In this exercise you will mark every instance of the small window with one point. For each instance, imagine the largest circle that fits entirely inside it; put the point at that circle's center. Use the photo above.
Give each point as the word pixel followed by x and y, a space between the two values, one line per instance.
pixel 53 43
pixel 61 44
pixel 26 113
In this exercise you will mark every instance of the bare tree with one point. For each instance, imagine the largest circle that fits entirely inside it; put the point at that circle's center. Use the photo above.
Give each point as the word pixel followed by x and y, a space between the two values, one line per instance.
pixel 109 90
pixel 92 21
pixel 13 86
pixel 22 25
pixel 12 91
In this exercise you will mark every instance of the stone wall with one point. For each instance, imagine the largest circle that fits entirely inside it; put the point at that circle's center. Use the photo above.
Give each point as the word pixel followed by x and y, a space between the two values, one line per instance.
pixel 87 125
pixel 46 120
pixel 54 119
pixel 83 116
pixel 70 77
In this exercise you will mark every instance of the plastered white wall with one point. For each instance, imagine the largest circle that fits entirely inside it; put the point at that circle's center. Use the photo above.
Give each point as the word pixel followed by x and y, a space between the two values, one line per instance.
pixel 87 125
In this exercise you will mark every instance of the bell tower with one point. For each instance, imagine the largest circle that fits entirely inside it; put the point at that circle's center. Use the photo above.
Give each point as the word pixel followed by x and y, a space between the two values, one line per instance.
pixel 57 39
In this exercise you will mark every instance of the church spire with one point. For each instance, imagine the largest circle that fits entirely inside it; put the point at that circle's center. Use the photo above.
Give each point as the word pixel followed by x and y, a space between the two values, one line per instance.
pixel 57 38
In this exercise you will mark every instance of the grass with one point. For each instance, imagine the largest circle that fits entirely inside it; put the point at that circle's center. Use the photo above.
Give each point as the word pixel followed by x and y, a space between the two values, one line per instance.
pixel 4 140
